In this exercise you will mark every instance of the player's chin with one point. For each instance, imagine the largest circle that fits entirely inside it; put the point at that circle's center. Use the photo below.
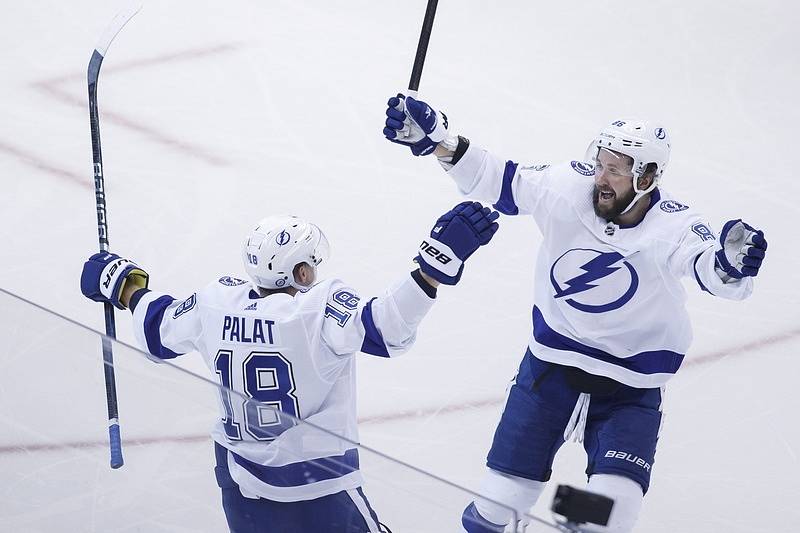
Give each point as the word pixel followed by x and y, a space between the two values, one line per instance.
pixel 604 206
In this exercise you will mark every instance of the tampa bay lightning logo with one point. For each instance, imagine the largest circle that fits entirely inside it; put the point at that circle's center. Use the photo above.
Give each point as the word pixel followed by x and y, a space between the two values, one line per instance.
pixel 283 238
pixel 592 281
pixel 231 282
pixel 671 206
pixel 583 168
pixel 660 133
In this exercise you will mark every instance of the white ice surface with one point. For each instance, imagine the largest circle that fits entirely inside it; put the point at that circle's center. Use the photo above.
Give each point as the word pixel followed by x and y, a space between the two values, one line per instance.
pixel 215 114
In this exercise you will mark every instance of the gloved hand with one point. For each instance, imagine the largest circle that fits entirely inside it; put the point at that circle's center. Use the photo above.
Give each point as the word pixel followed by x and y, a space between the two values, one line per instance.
pixel 104 277
pixel 414 124
pixel 455 237
pixel 742 250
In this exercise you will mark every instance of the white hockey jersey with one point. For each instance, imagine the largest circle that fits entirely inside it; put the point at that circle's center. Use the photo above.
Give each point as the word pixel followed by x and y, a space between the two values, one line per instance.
pixel 291 353
pixel 608 298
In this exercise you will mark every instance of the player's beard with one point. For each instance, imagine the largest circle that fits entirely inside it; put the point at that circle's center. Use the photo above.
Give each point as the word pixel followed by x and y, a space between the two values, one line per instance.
pixel 616 208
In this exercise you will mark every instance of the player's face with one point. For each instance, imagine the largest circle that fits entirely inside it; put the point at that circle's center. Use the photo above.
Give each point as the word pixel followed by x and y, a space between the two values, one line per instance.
pixel 613 183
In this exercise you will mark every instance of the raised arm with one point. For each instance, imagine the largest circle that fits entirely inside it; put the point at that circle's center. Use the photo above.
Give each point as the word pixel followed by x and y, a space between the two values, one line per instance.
pixel 480 175
pixel 387 325
pixel 166 327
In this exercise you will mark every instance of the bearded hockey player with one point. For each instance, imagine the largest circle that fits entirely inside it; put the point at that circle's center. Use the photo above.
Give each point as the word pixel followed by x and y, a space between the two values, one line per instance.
pixel 610 326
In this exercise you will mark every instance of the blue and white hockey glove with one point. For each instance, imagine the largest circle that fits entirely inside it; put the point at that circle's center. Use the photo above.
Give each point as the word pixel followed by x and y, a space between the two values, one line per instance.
pixel 742 250
pixel 414 124
pixel 455 237
pixel 104 277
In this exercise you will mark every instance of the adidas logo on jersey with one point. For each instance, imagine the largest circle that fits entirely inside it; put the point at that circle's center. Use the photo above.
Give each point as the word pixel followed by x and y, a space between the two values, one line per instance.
pixel 251 307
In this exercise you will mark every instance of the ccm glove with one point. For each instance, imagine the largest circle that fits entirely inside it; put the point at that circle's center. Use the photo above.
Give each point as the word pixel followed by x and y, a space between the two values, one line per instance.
pixel 455 237
pixel 415 124
pixel 105 275
pixel 742 250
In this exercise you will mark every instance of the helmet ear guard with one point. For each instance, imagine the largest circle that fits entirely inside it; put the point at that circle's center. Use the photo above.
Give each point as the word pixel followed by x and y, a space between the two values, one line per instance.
pixel 273 249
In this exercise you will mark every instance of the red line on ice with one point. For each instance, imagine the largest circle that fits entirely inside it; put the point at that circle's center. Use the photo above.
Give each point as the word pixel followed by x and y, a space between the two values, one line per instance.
pixel 388 417
pixel 184 55
pixel 40 164
pixel 53 88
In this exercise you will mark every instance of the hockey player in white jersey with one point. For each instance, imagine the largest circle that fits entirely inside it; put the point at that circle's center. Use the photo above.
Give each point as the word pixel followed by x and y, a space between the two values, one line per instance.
pixel 610 325
pixel 288 342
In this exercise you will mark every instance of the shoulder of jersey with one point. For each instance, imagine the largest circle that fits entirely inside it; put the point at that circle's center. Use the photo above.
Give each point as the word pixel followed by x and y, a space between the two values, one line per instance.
pixel 227 287
pixel 583 168
pixel 326 287
pixel 230 281
pixel 320 290
pixel 319 294
pixel 568 168
pixel 571 173
pixel 674 217
pixel 671 208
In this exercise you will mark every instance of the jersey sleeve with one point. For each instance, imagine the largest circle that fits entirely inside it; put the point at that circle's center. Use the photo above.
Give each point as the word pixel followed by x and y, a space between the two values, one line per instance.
pixel 512 188
pixel 167 327
pixel 693 256
pixel 385 326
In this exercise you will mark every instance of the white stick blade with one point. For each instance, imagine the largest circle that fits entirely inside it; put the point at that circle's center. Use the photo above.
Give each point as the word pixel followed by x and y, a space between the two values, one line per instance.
pixel 117 23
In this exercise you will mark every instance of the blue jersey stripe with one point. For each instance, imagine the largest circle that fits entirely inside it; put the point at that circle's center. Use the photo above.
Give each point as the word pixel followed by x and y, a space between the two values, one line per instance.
pixel 697 277
pixel 372 512
pixel 506 203
pixel 299 474
pixel 152 322
pixel 373 340
pixel 653 362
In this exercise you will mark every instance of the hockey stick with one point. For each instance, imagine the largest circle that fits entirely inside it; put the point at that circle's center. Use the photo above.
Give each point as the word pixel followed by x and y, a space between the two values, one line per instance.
pixel 93 74
pixel 422 48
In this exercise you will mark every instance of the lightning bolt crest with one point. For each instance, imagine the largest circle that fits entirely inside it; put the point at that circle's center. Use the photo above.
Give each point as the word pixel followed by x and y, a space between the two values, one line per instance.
pixel 597 268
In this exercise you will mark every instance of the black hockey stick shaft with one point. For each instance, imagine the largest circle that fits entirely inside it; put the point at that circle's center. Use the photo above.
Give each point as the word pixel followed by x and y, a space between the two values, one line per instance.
pixel 422 47
pixel 93 74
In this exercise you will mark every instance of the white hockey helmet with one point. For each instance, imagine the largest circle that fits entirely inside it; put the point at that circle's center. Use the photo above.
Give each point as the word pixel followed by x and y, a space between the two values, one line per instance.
pixel 642 140
pixel 278 244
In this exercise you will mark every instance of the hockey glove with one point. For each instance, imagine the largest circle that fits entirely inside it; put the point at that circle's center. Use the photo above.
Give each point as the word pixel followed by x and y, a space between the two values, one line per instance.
pixel 455 237
pixel 105 275
pixel 414 124
pixel 742 249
